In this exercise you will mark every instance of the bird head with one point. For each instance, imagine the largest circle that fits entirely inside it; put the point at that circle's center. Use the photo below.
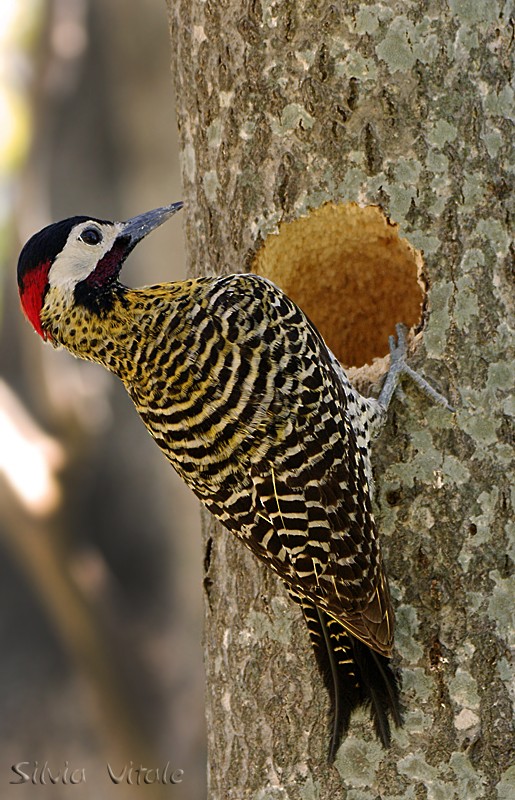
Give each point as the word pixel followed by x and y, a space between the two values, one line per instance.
pixel 78 260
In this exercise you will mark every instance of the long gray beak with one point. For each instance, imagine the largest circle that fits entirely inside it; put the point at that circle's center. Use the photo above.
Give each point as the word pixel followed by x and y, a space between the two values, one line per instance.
pixel 140 226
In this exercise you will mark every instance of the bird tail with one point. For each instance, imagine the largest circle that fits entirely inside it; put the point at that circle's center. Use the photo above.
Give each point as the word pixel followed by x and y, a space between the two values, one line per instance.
pixel 354 676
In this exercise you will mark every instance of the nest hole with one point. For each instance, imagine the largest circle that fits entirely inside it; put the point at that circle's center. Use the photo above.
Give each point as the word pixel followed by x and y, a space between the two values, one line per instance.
pixel 351 273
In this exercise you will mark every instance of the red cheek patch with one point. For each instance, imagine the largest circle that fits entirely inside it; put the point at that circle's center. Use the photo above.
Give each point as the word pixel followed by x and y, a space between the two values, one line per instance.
pixel 35 285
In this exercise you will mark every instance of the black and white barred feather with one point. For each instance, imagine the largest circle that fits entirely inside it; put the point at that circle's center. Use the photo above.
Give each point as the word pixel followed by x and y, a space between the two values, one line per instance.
pixel 240 392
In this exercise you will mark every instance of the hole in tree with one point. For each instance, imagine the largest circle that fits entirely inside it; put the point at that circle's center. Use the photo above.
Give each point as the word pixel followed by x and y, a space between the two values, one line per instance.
pixel 351 273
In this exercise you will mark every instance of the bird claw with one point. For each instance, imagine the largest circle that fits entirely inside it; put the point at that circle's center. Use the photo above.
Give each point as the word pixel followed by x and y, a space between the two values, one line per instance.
pixel 398 345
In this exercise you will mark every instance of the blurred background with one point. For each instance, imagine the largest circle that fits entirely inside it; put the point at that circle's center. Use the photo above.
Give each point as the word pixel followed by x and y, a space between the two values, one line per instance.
pixel 100 558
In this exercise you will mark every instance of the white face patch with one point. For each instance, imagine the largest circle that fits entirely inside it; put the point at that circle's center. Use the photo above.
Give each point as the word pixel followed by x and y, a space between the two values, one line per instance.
pixel 78 259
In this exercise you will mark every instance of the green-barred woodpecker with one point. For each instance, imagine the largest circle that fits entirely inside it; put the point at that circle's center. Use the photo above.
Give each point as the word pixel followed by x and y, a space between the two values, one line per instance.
pixel 247 402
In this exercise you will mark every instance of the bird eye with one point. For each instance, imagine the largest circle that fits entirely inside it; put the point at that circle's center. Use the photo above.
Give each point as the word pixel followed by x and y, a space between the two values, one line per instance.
pixel 90 236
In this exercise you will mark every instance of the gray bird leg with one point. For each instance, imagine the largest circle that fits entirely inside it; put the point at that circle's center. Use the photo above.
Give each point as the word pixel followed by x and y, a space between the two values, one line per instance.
pixel 398 368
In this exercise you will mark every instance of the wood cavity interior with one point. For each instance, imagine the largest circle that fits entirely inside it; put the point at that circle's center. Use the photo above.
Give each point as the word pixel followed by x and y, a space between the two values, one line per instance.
pixel 351 273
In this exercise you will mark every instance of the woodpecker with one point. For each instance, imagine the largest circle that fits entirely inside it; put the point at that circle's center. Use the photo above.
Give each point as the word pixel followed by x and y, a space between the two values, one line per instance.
pixel 249 405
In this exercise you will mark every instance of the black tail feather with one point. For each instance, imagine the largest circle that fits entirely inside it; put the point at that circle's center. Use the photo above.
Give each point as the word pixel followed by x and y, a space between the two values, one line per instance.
pixel 354 676
pixel 380 689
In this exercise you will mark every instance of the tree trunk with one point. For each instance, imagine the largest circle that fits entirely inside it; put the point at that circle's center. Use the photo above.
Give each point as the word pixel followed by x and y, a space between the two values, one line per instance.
pixel 283 107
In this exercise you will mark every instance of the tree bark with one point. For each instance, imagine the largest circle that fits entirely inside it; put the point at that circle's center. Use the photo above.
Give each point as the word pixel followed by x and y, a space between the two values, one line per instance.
pixel 283 107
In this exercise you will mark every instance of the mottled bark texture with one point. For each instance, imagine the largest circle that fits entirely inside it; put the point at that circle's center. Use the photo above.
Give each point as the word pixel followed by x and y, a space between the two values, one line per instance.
pixel 282 107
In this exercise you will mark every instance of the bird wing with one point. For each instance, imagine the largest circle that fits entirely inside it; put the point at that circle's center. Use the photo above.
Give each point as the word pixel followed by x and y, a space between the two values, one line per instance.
pixel 297 491
pixel 321 513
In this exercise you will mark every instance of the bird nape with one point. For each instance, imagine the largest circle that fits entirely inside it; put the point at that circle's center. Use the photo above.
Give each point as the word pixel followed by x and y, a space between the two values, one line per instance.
pixel 240 392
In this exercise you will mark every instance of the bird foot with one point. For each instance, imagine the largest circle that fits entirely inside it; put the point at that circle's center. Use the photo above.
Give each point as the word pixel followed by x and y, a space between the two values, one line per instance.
pixel 399 367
